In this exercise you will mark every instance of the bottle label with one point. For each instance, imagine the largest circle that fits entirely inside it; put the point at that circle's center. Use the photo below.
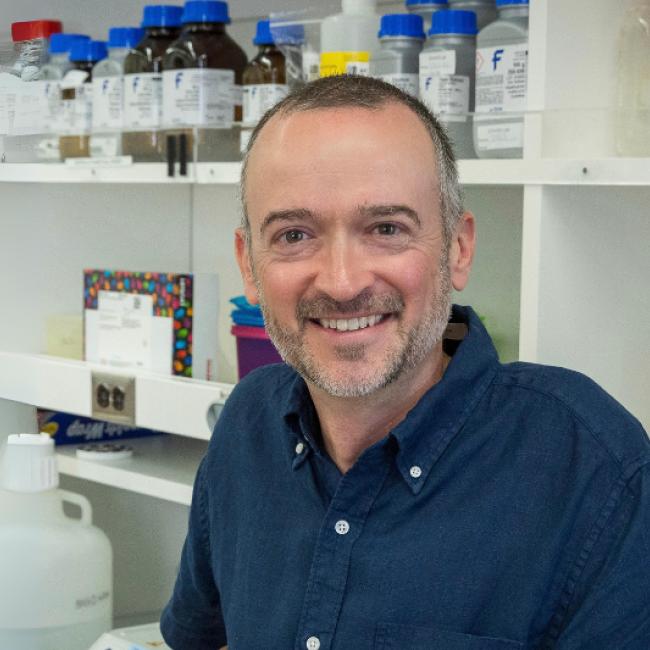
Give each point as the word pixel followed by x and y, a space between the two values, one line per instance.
pixel 143 101
pixel 495 136
pixel 446 95
pixel 259 98
pixel 198 97
pixel 237 94
pixel 407 82
pixel 438 62
pixel 105 146
pixel 501 78
pixel 31 108
pixel 107 102
pixel 361 68
pixel 77 104
pixel 310 65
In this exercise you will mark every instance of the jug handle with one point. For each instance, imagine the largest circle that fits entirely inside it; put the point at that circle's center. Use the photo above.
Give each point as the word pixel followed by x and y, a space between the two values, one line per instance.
pixel 83 503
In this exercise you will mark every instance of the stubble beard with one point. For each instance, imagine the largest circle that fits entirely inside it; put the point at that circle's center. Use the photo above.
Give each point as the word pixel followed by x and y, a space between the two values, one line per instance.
pixel 413 346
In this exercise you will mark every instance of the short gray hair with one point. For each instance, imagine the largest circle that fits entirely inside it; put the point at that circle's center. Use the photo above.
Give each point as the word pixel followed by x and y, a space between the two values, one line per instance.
pixel 366 92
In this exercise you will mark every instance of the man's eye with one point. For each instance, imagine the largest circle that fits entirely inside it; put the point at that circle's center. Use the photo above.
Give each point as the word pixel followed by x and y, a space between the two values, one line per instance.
pixel 293 236
pixel 387 229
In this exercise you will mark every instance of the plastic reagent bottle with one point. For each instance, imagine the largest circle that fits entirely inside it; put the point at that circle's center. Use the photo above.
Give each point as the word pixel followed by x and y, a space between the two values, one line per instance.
pixel 447 65
pixel 426 9
pixel 143 96
pixel 202 80
pixel 485 10
pixel 501 82
pixel 57 572
pixel 59 60
pixel 108 92
pixel 76 95
pixel 633 89
pixel 349 39
pixel 265 80
pixel 401 37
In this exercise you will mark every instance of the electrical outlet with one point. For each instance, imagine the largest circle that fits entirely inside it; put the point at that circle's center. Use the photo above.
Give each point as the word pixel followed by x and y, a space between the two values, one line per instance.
pixel 113 398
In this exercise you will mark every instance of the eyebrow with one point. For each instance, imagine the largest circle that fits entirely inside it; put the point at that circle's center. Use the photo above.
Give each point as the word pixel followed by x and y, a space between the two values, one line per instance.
pixel 299 214
pixel 390 211
pixel 367 211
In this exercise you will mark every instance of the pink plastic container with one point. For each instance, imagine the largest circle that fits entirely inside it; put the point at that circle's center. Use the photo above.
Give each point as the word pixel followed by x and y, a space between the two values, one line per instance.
pixel 254 348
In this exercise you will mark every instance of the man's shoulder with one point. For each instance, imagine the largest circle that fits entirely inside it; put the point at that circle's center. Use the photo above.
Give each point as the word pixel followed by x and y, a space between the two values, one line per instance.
pixel 254 408
pixel 575 396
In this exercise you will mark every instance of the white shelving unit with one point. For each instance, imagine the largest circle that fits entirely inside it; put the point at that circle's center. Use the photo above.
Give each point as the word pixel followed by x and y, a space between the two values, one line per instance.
pixel 561 270
pixel 607 172
pixel 163 467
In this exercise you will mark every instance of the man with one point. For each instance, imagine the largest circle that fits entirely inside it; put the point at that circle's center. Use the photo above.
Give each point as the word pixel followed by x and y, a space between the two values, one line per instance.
pixel 390 487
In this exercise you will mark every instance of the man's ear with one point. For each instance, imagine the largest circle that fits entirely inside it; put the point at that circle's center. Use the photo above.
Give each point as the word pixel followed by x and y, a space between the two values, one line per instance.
pixel 242 253
pixel 461 251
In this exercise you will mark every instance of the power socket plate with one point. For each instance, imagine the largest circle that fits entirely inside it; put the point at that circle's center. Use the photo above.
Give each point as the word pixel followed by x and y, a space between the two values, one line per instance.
pixel 113 398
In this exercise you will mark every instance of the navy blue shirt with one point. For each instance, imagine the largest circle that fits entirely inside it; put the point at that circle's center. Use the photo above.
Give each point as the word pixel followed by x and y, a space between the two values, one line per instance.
pixel 509 509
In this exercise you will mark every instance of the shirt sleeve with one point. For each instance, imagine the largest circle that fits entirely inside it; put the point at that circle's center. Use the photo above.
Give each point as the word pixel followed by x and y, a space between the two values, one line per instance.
pixel 192 619
pixel 607 596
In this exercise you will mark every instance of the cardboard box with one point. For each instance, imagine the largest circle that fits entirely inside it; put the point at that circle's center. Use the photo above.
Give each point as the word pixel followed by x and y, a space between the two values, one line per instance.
pixel 164 322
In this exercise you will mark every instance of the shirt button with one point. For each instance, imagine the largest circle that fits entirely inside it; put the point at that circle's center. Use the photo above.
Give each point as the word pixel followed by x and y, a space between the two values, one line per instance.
pixel 415 471
pixel 300 447
pixel 342 527
pixel 313 643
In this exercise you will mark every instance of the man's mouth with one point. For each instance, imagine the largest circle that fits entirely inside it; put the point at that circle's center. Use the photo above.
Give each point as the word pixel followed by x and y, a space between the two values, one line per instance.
pixel 351 324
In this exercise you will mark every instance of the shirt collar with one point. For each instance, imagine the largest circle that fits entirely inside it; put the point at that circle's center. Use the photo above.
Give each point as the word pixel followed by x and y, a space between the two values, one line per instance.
pixel 431 424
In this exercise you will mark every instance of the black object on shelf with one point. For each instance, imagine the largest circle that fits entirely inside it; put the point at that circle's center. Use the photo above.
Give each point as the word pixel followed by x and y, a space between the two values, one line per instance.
pixel 182 154
pixel 171 155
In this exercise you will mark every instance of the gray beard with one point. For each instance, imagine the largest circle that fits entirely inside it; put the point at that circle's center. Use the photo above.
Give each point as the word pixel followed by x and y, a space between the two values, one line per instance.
pixel 414 344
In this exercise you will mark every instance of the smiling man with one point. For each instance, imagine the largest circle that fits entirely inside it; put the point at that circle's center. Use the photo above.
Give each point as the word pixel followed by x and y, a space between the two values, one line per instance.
pixel 395 486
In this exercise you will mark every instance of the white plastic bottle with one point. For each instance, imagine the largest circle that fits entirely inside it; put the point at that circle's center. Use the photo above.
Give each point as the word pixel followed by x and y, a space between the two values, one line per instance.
pixel 108 92
pixel 349 39
pixel 633 90
pixel 502 82
pixel 56 589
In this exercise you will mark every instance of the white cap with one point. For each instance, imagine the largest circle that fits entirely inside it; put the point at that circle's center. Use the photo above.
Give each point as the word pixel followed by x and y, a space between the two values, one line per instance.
pixel 29 463
pixel 355 7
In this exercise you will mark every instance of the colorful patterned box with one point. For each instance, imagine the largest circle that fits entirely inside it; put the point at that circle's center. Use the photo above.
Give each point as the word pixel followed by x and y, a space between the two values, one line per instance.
pixel 165 322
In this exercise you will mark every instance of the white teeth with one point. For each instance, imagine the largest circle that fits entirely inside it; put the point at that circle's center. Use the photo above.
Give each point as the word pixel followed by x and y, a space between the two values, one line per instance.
pixel 350 324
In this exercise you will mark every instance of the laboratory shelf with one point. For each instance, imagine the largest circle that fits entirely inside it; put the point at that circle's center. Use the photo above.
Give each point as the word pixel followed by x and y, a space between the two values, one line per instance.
pixel 161 466
pixel 164 403
pixel 543 171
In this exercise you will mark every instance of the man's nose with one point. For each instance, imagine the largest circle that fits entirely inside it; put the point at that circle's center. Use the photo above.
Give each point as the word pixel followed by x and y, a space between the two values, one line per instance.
pixel 344 271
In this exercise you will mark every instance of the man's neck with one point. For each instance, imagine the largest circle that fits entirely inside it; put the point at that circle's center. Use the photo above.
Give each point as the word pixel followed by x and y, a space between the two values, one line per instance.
pixel 350 425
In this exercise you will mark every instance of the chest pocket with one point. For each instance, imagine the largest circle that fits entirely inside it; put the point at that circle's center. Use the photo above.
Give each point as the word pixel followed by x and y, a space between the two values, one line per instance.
pixel 409 637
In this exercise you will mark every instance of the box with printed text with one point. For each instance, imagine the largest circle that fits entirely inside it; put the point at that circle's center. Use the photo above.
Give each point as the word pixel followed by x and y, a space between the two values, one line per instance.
pixel 164 322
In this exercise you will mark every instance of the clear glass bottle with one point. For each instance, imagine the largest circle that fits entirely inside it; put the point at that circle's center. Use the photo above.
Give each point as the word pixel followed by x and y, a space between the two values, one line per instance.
pixel 143 97
pixel 264 79
pixel 76 95
pixel 202 82
pixel 633 83
pixel 108 92
pixel 24 98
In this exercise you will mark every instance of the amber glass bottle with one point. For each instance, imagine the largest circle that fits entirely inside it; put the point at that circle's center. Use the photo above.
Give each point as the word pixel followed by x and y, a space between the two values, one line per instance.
pixel 265 80
pixel 202 82
pixel 76 98
pixel 143 95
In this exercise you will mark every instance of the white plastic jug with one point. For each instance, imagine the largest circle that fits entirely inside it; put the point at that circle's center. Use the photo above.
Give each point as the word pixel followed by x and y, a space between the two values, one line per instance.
pixel 56 590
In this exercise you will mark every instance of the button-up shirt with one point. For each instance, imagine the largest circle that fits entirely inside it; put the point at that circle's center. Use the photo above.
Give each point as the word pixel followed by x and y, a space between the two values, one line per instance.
pixel 509 509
